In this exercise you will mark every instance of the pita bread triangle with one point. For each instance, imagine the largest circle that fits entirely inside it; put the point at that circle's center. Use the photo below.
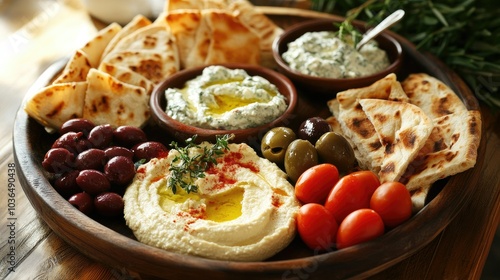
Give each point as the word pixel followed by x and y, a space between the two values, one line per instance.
pixel 150 51
pixel 239 47
pixel 150 37
pixel 75 70
pixel 136 23
pixel 432 95
pixel 95 47
pixel 356 125
pixel 127 76
pixel 256 21
pixel 153 65
pixel 110 101
pixel 57 103
pixel 184 25
pixel 450 149
pixel 402 129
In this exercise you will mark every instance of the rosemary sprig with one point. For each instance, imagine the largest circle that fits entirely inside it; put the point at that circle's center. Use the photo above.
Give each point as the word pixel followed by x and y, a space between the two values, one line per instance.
pixel 186 168
pixel 465 35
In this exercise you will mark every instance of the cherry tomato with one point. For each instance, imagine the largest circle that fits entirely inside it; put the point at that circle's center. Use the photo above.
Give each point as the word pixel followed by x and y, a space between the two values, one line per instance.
pixel 316 182
pixel 360 226
pixel 351 192
pixel 392 201
pixel 316 226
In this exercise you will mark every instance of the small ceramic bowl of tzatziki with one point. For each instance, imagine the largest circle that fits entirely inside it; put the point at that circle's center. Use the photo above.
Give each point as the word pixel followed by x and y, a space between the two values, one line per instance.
pixel 239 99
pixel 316 59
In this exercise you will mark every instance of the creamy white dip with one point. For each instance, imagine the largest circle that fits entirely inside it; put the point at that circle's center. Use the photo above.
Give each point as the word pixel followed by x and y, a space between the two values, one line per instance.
pixel 244 209
pixel 323 54
pixel 222 98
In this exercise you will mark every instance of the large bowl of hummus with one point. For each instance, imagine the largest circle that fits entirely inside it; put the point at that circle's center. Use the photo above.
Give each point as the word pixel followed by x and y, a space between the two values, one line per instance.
pixel 316 59
pixel 243 100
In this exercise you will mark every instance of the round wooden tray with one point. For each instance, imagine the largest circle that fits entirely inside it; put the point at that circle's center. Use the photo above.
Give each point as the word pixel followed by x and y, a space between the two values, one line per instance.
pixel 112 243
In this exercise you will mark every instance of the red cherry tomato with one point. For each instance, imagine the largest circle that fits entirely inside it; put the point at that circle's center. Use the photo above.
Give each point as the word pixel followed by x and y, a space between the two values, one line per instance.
pixel 360 226
pixel 392 201
pixel 316 182
pixel 316 226
pixel 351 192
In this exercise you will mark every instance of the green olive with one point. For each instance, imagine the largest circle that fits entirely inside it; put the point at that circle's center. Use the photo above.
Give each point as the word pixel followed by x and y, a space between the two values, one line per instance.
pixel 300 155
pixel 335 149
pixel 274 143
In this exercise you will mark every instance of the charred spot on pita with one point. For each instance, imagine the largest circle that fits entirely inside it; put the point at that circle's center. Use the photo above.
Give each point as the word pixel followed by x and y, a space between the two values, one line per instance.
pixel 56 110
pixel 408 138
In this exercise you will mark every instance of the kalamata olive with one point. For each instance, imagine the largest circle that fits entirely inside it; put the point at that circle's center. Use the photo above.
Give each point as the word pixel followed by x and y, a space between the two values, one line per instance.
pixel 92 181
pixel 83 202
pixel 77 125
pixel 128 136
pixel 312 128
pixel 300 155
pixel 58 160
pixel 75 142
pixel 335 149
pixel 274 143
pixel 119 170
pixel 101 136
pixel 148 150
pixel 66 185
pixel 90 159
pixel 114 151
pixel 109 204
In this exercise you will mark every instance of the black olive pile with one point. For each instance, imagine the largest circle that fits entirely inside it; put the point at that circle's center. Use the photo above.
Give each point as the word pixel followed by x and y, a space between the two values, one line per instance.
pixel 314 143
pixel 92 164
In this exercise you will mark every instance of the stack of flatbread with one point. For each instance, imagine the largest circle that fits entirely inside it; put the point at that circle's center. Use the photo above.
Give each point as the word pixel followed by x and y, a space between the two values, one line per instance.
pixel 209 22
pixel 415 132
pixel 110 79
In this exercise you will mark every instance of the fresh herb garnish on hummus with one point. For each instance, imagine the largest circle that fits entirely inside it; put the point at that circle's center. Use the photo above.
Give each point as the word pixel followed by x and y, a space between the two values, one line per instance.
pixel 185 168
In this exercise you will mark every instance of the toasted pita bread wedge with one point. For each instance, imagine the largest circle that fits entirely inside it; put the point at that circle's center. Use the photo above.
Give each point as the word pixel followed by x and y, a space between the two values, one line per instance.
pixel 387 88
pixel 257 22
pixel 75 70
pixel 150 37
pixel 231 40
pixel 432 95
pixel 356 125
pixel 95 47
pixel 450 149
pixel 110 101
pixel 402 129
pixel 136 23
pixel 57 103
pixel 192 41
pixel 153 65
pixel 127 76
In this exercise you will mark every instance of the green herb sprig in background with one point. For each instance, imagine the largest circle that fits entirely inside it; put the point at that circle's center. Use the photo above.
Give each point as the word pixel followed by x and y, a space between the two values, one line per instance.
pixel 465 35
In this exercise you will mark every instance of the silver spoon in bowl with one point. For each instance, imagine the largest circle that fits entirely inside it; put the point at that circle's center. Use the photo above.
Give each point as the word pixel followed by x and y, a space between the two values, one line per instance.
pixel 383 25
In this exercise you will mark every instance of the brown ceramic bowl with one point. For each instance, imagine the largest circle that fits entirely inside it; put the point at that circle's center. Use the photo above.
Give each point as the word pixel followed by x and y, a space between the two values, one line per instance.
pixel 181 131
pixel 330 86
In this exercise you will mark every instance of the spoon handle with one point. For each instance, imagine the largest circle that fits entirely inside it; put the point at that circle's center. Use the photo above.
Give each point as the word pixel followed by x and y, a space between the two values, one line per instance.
pixel 386 23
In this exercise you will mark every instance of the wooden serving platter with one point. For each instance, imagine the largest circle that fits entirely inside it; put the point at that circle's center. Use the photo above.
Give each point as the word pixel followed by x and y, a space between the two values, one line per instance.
pixel 112 243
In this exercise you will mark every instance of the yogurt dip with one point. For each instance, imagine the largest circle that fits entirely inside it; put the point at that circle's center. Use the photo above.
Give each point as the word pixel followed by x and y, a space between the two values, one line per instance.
pixel 223 98
pixel 323 54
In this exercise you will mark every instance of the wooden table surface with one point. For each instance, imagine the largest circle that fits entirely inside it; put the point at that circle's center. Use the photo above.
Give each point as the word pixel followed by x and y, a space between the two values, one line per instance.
pixel 35 33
